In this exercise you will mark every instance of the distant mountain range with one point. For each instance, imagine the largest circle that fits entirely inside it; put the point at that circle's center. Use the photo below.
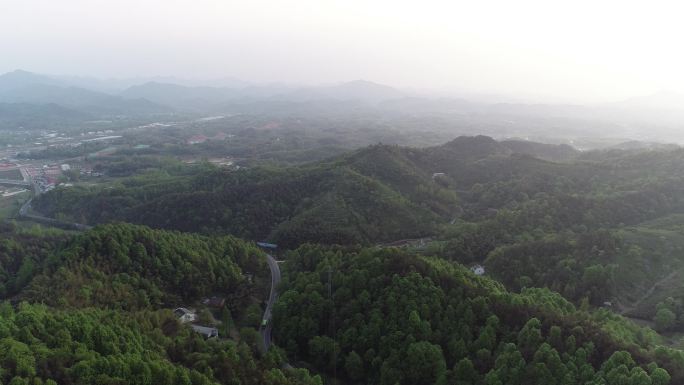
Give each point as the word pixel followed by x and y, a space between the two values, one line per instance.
pixel 40 116
pixel 184 97
pixel 19 79
pixel 29 88
pixel 163 96
pixel 647 117
pixel 661 100
pixel 181 97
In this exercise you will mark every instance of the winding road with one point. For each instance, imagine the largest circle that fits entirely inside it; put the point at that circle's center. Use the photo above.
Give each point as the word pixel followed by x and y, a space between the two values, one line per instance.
pixel 266 329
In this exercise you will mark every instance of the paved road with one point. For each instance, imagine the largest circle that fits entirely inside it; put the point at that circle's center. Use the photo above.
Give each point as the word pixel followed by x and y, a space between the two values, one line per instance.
pixel 273 296
pixel 26 207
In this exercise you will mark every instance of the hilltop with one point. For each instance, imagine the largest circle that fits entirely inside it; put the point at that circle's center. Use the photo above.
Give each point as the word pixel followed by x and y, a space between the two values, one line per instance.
pixel 377 194
pixel 388 317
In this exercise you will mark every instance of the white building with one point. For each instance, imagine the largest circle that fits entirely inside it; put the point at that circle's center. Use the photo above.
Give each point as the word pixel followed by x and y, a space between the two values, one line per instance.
pixel 478 269
pixel 206 331
pixel 184 315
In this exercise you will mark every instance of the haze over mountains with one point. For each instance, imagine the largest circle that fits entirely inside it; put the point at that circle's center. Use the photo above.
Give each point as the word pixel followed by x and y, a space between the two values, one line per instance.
pixel 208 192
pixel 23 86
pixel 654 117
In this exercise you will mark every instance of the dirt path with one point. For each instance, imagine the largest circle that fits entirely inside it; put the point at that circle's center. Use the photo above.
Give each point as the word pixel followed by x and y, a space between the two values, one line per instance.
pixel 648 293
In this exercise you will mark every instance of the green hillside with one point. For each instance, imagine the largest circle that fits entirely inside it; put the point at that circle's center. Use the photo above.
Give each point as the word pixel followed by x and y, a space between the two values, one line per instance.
pixel 42 345
pixel 133 267
pixel 387 317
pixel 97 310
pixel 23 252
pixel 374 195
pixel 536 215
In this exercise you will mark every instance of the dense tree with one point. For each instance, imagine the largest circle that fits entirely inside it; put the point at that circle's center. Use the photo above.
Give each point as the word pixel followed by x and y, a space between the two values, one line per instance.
pixel 377 194
pixel 134 267
pixel 562 238
pixel 415 316
pixel 353 365
pixel 22 253
pixel 424 364
pixel 664 319
pixel 536 215
pixel 40 345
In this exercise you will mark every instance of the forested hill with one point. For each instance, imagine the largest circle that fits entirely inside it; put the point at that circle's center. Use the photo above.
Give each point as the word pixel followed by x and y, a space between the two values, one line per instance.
pixel 132 267
pixel 385 316
pixel 478 147
pixel 95 308
pixel 388 317
pixel 22 254
pixel 42 345
pixel 376 194
pixel 590 227
pixel 371 196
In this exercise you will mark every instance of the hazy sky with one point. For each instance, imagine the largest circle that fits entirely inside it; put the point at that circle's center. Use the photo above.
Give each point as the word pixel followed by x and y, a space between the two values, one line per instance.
pixel 591 50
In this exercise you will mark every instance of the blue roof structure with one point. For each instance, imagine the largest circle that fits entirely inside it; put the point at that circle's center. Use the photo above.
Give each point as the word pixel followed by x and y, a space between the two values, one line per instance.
pixel 267 245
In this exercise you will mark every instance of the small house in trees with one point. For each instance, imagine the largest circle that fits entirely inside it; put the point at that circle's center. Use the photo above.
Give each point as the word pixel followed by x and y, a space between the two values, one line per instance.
pixel 478 269
pixel 184 315
pixel 206 331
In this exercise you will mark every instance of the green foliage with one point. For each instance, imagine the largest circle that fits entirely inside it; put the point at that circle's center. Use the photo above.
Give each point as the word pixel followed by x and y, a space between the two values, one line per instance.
pixel 134 267
pixel 664 319
pixel 424 364
pixel 22 253
pixel 353 365
pixel 416 317
pixel 566 236
pixel 577 227
pixel 378 194
pixel 41 345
